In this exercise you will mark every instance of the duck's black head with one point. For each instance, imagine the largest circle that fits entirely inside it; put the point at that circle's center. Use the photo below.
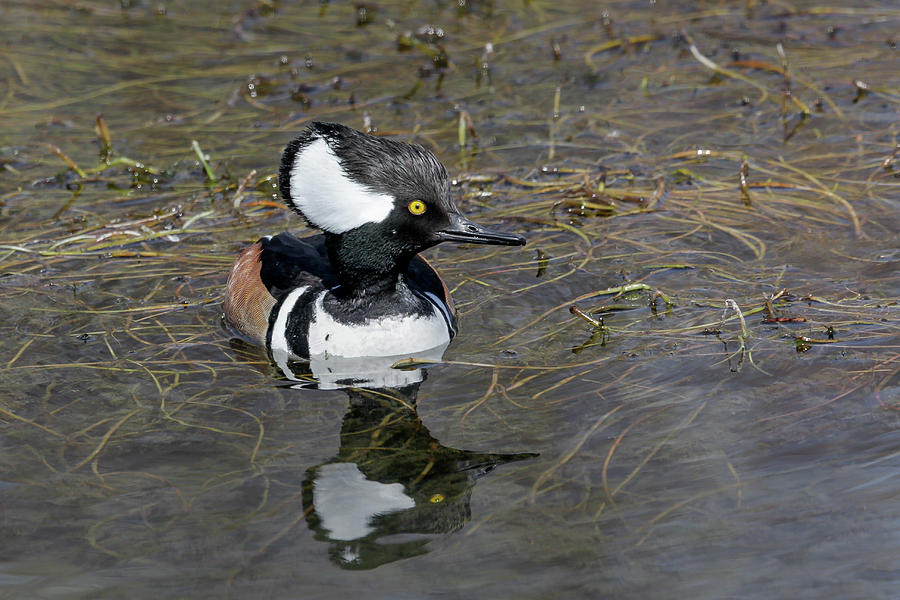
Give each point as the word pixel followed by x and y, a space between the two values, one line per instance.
pixel 381 201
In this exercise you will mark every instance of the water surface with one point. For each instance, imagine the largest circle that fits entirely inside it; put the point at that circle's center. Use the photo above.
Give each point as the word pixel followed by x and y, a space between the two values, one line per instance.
pixel 145 453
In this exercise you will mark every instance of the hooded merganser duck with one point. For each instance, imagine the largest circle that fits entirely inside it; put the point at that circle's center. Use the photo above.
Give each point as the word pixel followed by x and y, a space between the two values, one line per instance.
pixel 360 288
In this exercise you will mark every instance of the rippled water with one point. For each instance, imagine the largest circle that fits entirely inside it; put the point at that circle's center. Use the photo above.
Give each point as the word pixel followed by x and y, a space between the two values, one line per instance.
pixel 147 453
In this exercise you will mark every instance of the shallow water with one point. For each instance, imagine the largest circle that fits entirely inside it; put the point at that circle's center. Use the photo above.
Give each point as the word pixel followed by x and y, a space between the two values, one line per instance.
pixel 146 453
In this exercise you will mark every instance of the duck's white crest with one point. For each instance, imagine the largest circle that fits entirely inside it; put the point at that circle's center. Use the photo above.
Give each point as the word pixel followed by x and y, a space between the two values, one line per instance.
pixel 327 197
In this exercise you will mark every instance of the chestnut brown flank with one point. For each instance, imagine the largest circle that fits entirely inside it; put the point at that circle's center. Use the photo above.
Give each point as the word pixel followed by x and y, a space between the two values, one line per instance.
pixel 247 301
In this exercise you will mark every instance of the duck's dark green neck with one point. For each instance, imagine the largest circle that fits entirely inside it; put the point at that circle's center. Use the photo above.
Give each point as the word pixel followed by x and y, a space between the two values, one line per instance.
pixel 366 262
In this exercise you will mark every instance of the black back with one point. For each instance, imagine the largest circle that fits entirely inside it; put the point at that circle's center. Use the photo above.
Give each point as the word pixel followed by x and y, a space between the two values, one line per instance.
pixel 289 262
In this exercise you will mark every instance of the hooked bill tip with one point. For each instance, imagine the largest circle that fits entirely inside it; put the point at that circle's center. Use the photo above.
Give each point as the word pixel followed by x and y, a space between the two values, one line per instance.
pixel 463 230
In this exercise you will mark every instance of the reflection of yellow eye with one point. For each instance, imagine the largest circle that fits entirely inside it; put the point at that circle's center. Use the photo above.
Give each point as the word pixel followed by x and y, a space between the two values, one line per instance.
pixel 417 207
pixel 436 499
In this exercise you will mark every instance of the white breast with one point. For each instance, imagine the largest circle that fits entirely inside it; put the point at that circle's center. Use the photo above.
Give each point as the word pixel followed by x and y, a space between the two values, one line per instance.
pixel 387 336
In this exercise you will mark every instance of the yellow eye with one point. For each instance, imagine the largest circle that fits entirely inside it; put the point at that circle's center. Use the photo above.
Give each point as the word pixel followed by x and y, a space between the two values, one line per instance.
pixel 417 207
pixel 436 499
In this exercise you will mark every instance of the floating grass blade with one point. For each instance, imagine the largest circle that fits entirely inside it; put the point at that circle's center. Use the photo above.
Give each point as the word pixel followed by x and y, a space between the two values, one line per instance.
pixel 104 138
pixel 62 155
pixel 210 176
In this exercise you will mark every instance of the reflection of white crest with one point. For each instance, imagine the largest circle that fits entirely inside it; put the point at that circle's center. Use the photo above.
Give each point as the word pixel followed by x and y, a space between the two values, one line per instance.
pixel 347 502
pixel 336 372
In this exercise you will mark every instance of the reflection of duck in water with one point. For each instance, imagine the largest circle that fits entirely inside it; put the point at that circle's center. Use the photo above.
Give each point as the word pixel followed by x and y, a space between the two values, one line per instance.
pixel 361 288
pixel 392 486
pixel 338 372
